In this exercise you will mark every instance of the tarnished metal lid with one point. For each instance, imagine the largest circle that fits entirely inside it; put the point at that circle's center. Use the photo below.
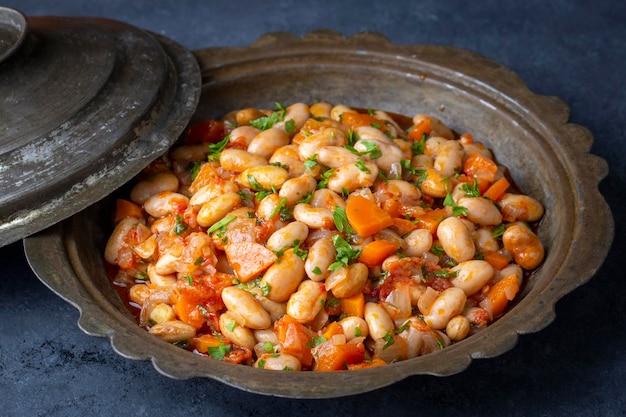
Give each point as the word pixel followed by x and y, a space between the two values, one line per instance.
pixel 86 103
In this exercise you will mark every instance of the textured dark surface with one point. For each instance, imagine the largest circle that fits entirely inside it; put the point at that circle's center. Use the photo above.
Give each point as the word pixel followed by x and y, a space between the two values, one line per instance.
pixel 575 366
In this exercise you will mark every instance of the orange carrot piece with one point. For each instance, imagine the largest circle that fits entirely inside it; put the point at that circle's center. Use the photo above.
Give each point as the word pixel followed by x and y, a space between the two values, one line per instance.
pixel 365 217
pixel 495 259
pixel 497 189
pixel 294 338
pixel 330 357
pixel 419 130
pixel 364 365
pixel 501 293
pixel 354 120
pixel 375 252
pixel 125 208
pixel 403 226
pixel 431 219
pixel 206 175
pixel 203 342
pixel 332 329
pixel 353 305
pixel 186 307
pixel 479 166
pixel 249 259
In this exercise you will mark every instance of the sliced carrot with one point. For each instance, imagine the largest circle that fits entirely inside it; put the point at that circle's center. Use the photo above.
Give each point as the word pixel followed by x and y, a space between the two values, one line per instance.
pixel 365 217
pixel 369 364
pixel 497 189
pixel 353 305
pixel 125 208
pixel 295 339
pixel 479 166
pixel 331 357
pixel 431 219
pixel 249 259
pixel 419 130
pixel 354 120
pixel 403 226
pixel 203 342
pixel 206 175
pixel 186 307
pixel 375 252
pixel 332 329
pixel 495 259
pixel 501 293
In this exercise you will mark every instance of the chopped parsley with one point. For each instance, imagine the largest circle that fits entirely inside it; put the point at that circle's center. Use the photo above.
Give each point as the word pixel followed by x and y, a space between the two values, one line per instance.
pixel 221 224
pixel 417 147
pixel 218 352
pixel 360 164
pixel 371 148
pixel 179 226
pixel 498 231
pixel 317 270
pixel 456 210
pixel 310 162
pixel 345 253
pixel 325 177
pixel 471 190
pixel 341 220
pixel 215 149
pixel 266 122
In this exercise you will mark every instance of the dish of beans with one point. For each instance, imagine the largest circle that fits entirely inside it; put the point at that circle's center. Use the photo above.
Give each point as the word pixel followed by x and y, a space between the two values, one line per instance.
pixel 322 237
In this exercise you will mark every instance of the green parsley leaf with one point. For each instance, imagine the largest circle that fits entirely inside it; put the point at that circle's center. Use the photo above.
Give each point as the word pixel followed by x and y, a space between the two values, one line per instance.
pixel 444 273
pixel 261 364
pixel 215 149
pixel 199 261
pixel 300 253
pixel 179 226
pixel 278 208
pixel 325 177
pixel 290 126
pixel 417 147
pixel 306 198
pixel 341 220
pixel 345 253
pixel 471 190
pixel 437 249
pixel 266 122
pixel 357 332
pixel 218 352
pixel 221 224
pixel 389 340
pixel 371 148
pixel 456 210
pixel 189 279
pixel 498 231
pixel 310 162
pixel 278 164
pixel 360 164
pixel 353 137
pixel 194 168
pixel 231 325
pixel 317 270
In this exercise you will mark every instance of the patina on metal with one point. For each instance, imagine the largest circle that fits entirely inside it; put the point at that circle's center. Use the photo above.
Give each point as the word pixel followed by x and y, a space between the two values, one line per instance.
pixel 528 133
pixel 86 104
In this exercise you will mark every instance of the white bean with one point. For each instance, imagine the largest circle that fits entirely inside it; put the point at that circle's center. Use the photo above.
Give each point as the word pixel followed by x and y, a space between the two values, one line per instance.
pixel 268 141
pixel 418 242
pixel 307 301
pixel 321 255
pixel 209 191
pixel 518 207
pixel 295 189
pixel 320 109
pixel 449 159
pixel 239 160
pixel 286 236
pixel 524 245
pixel 350 177
pixel 484 240
pixel 116 240
pixel 472 275
pixel 347 280
pixel 335 156
pixel 266 176
pixel 481 211
pixel 165 203
pixel 298 113
pixel 350 325
pixel 313 217
pixel 217 208
pixel 189 152
pixel 162 312
pixel 283 278
pixel 455 239
pixel 243 135
pixel 173 331
pixel 458 328
pixel 434 183
pixel 447 305
pixel 289 157
pixel 312 144
pixel 245 308
pixel 235 332
pixel 325 198
pixel 166 279
pixel 278 362
pixel 163 181
pixel 508 270
pixel 338 110
pixel 378 320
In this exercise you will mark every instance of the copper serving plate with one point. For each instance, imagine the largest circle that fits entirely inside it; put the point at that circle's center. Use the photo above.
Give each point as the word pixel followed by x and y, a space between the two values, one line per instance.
pixel 547 157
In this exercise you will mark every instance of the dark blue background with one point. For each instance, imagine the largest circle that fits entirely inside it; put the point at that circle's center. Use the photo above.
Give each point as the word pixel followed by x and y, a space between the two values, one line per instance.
pixel 575 50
